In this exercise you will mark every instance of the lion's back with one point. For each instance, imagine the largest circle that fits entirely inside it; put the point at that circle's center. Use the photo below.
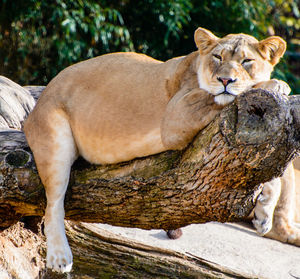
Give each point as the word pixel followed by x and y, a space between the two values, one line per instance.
pixel 112 102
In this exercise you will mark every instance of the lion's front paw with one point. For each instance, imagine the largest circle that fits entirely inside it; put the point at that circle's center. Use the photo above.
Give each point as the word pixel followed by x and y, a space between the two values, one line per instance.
pixel 59 258
pixel 275 85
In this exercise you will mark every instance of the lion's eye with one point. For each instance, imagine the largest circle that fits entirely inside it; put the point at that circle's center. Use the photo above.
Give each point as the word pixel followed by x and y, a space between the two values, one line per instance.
pixel 217 57
pixel 247 61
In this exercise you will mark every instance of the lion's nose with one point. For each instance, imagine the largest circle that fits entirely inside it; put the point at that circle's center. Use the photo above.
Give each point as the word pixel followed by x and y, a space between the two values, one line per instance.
pixel 225 81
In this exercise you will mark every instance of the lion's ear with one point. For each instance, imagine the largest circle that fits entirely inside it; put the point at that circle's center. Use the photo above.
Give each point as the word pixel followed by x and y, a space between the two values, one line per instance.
pixel 272 49
pixel 204 39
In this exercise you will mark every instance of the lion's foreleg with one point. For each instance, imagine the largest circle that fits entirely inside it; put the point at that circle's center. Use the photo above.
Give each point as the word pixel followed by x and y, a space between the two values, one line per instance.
pixel 188 112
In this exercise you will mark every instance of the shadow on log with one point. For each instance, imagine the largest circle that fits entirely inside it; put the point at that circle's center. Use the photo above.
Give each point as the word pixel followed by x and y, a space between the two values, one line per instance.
pixel 216 178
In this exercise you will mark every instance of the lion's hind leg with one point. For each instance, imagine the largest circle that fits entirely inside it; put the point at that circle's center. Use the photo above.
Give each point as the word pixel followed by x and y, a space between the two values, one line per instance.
pixel 54 152
pixel 284 228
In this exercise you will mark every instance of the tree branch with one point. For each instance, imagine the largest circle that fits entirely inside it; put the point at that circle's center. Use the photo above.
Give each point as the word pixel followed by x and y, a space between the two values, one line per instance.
pixel 216 178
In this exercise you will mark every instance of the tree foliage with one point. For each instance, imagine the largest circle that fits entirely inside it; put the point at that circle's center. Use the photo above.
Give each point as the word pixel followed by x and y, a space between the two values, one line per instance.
pixel 39 38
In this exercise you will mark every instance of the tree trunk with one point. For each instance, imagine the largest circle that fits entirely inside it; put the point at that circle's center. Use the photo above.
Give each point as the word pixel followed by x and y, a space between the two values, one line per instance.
pixel 216 178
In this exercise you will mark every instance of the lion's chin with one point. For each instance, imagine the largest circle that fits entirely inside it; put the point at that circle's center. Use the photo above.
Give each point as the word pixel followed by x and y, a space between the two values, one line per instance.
pixel 224 98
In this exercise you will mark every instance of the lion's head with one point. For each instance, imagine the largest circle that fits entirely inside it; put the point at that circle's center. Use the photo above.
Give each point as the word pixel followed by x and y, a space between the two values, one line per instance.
pixel 228 66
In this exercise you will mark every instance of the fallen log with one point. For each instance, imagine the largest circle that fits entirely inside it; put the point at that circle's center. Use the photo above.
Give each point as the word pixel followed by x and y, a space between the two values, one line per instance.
pixel 216 178
pixel 99 253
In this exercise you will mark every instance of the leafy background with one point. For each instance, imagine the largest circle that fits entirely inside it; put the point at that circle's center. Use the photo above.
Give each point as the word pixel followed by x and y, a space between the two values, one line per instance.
pixel 40 38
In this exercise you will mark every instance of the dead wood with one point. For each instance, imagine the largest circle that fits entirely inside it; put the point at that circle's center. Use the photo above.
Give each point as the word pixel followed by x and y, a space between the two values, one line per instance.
pixel 217 177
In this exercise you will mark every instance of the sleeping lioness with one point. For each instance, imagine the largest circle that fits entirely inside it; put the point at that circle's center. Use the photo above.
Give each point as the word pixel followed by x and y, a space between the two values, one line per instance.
pixel 120 106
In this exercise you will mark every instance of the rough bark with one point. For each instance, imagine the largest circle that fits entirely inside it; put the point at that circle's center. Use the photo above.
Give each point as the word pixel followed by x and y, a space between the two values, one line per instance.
pixel 216 178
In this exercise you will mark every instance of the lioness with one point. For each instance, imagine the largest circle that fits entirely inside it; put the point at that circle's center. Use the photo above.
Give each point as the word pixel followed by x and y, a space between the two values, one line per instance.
pixel 120 106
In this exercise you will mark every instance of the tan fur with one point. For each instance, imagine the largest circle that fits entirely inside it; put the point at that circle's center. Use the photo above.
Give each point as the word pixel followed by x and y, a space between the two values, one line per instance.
pixel 120 106
pixel 287 209
pixel 284 228
pixel 297 193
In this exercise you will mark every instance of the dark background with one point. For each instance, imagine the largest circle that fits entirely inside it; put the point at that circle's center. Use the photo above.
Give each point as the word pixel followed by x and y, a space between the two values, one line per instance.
pixel 39 38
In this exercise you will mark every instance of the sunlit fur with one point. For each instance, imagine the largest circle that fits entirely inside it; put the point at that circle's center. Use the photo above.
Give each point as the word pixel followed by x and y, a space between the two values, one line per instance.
pixel 249 63
pixel 240 61
pixel 277 208
pixel 120 106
